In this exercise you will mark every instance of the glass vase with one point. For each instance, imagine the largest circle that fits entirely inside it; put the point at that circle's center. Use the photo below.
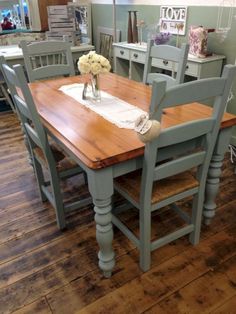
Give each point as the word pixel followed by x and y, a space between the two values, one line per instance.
pixel 96 87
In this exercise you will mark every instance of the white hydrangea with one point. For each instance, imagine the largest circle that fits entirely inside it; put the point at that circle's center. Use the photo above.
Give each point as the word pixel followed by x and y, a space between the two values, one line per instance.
pixel 84 67
pixel 96 68
pixel 93 63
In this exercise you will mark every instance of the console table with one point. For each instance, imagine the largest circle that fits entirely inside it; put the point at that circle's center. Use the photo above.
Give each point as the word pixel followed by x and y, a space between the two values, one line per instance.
pixel 129 62
pixel 13 54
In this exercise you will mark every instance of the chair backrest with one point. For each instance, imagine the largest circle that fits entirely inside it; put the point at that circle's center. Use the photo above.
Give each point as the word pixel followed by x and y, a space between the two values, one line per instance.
pixel 20 92
pixel 45 59
pixel 1 78
pixel 2 74
pixel 193 142
pixel 104 41
pixel 5 94
pixel 178 56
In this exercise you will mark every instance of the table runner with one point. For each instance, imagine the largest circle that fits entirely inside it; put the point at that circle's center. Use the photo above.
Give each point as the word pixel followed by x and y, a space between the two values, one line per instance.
pixel 111 108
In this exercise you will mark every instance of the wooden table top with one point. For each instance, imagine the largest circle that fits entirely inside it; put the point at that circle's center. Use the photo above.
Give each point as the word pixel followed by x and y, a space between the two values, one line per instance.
pixel 95 141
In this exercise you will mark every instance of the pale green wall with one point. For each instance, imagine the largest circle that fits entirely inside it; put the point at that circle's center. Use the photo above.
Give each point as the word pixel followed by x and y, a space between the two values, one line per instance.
pixel 206 16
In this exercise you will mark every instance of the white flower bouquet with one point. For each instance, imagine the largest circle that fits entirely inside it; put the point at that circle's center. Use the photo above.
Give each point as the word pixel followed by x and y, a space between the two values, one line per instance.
pixel 93 63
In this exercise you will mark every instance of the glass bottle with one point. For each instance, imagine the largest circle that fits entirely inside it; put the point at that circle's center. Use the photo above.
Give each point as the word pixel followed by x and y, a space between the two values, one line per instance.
pixel 135 29
pixel 130 33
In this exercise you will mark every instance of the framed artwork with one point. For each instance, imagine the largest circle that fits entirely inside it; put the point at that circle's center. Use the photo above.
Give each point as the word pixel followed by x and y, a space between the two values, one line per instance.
pixel 173 19
pixel 104 41
pixel 83 20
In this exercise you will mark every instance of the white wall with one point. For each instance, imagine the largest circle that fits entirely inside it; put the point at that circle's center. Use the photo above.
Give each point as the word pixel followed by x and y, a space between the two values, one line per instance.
pixel 7 4
pixel 170 2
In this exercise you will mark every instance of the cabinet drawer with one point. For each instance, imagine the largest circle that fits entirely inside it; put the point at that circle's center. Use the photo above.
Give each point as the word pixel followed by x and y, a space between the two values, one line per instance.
pixel 61 10
pixel 163 64
pixel 122 53
pixel 192 69
pixel 138 56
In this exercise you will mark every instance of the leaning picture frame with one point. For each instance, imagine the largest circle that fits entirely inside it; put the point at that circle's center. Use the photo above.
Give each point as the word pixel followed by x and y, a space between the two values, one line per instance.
pixel 173 19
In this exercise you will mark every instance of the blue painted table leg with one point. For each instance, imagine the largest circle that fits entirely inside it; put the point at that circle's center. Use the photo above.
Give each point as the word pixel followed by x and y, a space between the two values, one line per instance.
pixel 214 172
pixel 101 188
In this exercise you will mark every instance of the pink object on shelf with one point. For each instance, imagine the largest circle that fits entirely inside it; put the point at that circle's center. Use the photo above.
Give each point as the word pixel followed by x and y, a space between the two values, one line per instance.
pixel 198 41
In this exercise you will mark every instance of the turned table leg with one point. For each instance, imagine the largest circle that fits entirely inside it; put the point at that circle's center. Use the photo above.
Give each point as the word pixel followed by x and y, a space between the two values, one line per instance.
pixel 213 176
pixel 101 188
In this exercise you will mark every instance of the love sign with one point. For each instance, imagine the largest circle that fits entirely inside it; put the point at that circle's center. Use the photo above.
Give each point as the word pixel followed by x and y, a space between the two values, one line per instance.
pixel 173 19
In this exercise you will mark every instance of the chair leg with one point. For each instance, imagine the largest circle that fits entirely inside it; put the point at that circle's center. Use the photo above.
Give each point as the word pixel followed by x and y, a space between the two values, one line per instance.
pixel 145 239
pixel 27 144
pixel 57 196
pixel 85 178
pixel 196 219
pixel 40 178
pixel 8 98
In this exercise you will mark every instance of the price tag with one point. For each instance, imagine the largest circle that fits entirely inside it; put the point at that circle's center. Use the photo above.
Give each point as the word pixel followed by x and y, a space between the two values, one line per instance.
pixel 143 124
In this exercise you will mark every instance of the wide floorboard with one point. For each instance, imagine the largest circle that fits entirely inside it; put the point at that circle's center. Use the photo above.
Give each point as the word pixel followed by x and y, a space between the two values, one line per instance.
pixel 44 270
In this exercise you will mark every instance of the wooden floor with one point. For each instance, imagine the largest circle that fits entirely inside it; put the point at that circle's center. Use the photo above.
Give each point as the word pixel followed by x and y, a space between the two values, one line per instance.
pixel 43 270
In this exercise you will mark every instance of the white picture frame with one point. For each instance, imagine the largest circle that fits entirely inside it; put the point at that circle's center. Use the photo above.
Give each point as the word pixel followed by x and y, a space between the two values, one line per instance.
pixel 173 19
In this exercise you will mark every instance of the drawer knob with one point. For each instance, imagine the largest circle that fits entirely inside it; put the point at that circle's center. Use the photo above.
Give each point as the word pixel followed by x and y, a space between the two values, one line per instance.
pixel 135 55
pixel 187 66
pixel 165 62
pixel 121 52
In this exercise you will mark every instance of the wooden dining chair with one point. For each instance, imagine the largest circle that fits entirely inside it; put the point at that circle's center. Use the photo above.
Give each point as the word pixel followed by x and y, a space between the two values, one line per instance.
pixel 14 108
pixel 175 164
pixel 45 153
pixel 45 59
pixel 169 55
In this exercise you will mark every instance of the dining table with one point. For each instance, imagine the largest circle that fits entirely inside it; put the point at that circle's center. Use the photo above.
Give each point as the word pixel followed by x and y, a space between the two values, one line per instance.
pixel 106 151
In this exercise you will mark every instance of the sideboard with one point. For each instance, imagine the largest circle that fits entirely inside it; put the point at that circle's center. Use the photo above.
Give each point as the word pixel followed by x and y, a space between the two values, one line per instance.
pixel 13 54
pixel 129 61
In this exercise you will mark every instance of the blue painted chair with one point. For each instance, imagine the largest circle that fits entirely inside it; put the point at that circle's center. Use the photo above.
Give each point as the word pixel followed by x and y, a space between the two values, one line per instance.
pixel 167 54
pixel 45 153
pixel 46 59
pixel 185 151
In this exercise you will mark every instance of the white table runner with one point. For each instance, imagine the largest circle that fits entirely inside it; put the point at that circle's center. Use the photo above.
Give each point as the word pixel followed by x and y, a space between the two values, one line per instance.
pixel 111 108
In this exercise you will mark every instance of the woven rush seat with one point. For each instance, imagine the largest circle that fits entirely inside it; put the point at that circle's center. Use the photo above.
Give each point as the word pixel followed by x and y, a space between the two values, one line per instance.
pixel 163 189
pixel 63 162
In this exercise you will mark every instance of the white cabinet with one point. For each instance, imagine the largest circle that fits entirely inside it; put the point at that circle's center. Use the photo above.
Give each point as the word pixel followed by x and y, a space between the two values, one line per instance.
pixel 129 60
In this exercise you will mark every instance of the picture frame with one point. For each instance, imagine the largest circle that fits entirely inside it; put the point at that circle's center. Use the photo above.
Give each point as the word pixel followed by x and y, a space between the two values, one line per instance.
pixel 173 19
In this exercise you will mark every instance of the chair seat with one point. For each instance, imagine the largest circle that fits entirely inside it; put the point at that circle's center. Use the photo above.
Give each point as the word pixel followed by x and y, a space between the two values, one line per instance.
pixel 163 189
pixel 63 162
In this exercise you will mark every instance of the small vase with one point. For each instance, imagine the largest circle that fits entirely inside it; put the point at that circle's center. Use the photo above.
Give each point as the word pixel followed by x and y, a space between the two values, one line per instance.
pixel 135 29
pixel 96 87
pixel 130 32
